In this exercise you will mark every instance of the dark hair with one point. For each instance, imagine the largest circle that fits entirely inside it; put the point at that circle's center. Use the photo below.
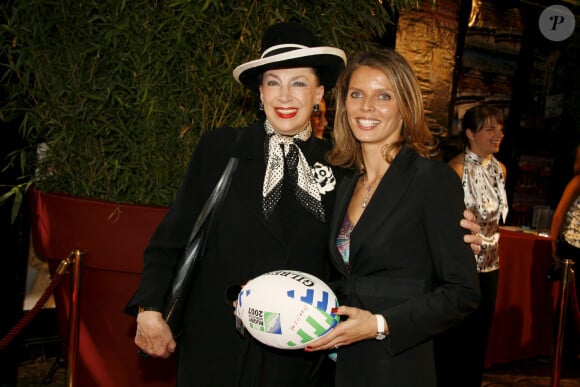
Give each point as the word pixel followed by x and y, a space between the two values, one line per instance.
pixel 475 118
pixel 416 135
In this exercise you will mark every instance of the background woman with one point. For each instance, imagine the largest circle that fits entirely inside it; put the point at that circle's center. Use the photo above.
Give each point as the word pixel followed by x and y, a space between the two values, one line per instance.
pixel 461 353
pixel 405 273
pixel 565 234
pixel 318 120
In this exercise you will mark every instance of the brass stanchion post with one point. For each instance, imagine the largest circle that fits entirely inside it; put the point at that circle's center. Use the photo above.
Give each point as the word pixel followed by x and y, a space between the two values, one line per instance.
pixel 567 274
pixel 73 337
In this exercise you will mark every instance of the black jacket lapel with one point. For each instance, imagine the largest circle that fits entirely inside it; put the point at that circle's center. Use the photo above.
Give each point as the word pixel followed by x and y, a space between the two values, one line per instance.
pixel 387 197
pixel 251 169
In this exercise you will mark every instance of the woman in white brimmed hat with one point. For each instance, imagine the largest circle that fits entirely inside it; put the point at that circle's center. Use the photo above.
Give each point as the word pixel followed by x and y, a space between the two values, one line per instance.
pixel 273 216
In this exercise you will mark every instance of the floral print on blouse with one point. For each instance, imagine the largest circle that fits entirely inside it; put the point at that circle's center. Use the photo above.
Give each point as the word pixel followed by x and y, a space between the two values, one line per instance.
pixel 571 227
pixel 343 239
pixel 485 196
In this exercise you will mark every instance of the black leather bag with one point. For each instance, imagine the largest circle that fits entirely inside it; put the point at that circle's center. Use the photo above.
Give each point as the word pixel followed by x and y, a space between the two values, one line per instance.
pixel 174 307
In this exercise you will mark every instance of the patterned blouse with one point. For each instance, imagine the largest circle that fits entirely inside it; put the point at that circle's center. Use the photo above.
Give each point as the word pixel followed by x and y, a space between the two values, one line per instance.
pixel 485 196
pixel 571 227
pixel 343 239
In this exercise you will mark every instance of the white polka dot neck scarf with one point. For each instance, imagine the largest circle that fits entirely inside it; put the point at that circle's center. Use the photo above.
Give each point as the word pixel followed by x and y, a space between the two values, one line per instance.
pixel 284 156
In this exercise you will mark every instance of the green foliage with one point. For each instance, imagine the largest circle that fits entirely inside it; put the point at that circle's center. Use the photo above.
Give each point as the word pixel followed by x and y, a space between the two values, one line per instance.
pixel 121 90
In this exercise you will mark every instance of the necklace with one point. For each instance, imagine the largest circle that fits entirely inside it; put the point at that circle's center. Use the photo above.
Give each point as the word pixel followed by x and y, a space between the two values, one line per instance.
pixel 368 194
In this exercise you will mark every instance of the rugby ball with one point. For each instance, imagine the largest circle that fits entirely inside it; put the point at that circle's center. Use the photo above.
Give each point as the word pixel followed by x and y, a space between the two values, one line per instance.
pixel 287 309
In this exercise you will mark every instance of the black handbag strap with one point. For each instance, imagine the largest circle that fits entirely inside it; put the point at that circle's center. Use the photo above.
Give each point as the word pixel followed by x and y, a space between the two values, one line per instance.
pixel 215 198
pixel 173 313
pixel 195 247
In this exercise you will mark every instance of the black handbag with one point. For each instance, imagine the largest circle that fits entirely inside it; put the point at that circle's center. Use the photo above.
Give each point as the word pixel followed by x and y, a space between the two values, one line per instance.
pixel 174 306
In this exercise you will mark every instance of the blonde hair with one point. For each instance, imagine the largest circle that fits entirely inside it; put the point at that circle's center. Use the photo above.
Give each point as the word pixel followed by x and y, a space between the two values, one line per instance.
pixel 346 151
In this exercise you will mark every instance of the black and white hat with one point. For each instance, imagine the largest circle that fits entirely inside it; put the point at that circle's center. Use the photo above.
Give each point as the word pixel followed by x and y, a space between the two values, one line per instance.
pixel 290 45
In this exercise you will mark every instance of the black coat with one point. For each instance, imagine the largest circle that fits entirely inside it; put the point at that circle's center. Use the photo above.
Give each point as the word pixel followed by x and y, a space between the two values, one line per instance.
pixel 409 263
pixel 241 245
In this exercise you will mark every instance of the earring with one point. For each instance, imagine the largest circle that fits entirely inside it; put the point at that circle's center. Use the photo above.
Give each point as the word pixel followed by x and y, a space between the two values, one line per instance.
pixel 316 108
pixel 261 107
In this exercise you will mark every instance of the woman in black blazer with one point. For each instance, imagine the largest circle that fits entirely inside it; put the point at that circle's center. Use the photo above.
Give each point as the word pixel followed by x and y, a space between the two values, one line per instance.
pixel 274 216
pixel 405 273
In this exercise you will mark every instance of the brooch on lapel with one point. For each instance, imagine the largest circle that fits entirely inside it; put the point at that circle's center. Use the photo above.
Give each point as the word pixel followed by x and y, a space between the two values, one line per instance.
pixel 324 177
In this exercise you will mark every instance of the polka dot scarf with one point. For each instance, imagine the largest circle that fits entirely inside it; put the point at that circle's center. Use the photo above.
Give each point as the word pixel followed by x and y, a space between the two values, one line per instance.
pixel 284 156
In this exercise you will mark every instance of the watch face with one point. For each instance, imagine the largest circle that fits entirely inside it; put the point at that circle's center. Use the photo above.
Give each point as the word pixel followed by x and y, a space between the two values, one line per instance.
pixel 380 336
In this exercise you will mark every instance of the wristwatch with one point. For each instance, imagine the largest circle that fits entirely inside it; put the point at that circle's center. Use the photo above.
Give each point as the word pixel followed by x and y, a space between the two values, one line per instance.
pixel 380 327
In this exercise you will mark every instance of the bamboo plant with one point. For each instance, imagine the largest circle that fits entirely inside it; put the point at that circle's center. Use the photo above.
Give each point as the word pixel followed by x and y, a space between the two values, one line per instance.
pixel 118 92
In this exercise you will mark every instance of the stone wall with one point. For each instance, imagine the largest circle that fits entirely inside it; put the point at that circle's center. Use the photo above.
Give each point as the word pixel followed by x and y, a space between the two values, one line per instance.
pixel 427 37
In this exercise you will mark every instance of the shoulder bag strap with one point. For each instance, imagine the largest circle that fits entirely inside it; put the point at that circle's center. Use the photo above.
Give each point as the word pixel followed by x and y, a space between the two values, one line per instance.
pixel 216 197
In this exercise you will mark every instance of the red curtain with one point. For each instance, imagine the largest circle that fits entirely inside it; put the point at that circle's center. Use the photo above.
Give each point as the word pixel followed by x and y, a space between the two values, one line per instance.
pixel 113 237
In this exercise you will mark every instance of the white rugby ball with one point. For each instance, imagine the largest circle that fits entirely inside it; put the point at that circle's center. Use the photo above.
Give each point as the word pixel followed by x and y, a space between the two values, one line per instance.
pixel 287 309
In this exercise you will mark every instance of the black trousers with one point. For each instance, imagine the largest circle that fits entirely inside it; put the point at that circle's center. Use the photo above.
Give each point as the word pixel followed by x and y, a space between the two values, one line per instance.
pixel 571 343
pixel 460 352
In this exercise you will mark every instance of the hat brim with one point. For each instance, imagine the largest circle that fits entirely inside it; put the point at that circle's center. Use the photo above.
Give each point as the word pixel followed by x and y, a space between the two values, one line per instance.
pixel 329 61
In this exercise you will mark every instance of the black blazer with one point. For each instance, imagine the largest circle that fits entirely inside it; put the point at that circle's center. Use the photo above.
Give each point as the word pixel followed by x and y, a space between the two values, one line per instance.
pixel 409 263
pixel 241 245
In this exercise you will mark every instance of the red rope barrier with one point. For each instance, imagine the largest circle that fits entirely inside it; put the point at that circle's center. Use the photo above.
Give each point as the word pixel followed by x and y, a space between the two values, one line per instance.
pixel 60 271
